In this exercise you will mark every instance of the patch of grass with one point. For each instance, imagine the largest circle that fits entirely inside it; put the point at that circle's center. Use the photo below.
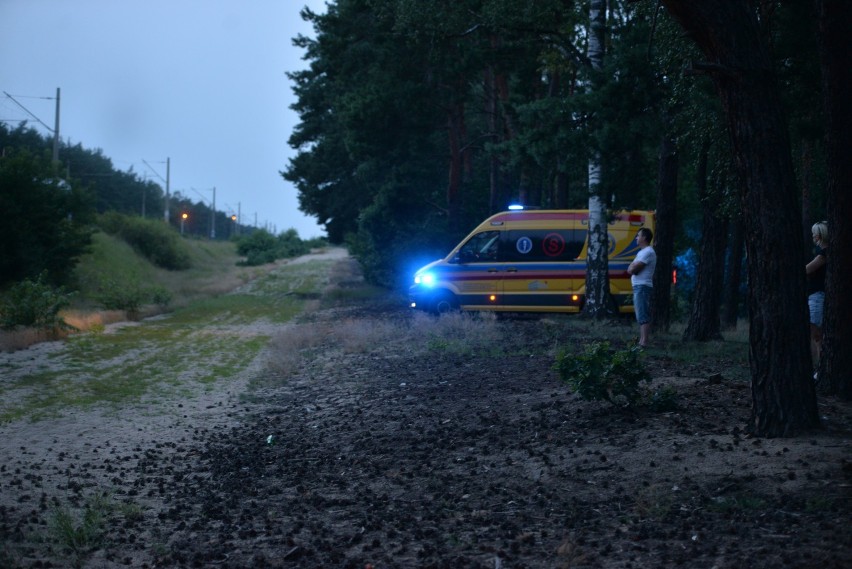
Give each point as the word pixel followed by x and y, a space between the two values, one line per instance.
pixel 289 347
pixel 77 532
pixel 816 504
pixel 8 558
pixel 737 503
pixel 80 532
pixel 662 399
pixel 360 336
pixel 461 333
pixel 120 372
pixel 654 502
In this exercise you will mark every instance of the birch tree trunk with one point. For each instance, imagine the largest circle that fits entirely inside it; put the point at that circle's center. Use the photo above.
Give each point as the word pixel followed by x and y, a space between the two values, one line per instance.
pixel 599 302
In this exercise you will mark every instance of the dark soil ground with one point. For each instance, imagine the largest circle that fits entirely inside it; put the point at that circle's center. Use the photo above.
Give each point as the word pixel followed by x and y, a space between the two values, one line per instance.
pixel 406 458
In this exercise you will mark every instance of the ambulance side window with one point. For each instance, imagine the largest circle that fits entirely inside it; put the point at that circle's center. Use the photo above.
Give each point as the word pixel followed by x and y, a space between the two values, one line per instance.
pixel 543 245
pixel 481 248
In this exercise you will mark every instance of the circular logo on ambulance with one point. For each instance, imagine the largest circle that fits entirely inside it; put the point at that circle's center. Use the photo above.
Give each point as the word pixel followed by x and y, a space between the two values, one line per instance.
pixel 524 245
pixel 553 244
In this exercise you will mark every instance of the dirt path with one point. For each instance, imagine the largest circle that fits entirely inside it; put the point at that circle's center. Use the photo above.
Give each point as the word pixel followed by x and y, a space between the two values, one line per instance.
pixel 406 442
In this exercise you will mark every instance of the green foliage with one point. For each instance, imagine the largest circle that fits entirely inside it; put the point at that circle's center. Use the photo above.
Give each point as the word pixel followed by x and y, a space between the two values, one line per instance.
pixel 261 247
pixel 160 295
pixel 129 295
pixel 601 373
pixel 45 225
pixel 380 124
pixel 663 399
pixel 34 303
pixel 80 534
pixel 151 238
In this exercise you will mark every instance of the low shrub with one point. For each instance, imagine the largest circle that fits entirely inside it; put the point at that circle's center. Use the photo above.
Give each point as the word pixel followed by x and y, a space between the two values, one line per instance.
pixel 153 239
pixel 601 373
pixel 35 304
pixel 129 295
pixel 261 247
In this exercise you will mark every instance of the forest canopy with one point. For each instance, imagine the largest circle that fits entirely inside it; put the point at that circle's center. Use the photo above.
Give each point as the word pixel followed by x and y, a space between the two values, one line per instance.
pixel 421 118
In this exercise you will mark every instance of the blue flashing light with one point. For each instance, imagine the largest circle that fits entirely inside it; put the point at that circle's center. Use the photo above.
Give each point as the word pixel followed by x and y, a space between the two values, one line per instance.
pixel 427 279
pixel 515 207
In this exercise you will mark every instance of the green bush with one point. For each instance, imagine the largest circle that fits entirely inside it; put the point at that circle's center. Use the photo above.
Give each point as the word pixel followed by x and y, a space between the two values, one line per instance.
pixel 261 247
pixel 601 373
pixel 153 239
pixel 46 223
pixel 129 295
pixel 34 304
pixel 160 295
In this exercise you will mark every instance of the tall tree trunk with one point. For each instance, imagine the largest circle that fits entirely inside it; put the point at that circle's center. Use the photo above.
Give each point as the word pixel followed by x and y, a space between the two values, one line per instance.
pixel 731 303
pixel 783 394
pixel 835 19
pixel 807 217
pixel 599 301
pixel 704 323
pixel 455 128
pixel 665 234
pixel 493 162
pixel 560 187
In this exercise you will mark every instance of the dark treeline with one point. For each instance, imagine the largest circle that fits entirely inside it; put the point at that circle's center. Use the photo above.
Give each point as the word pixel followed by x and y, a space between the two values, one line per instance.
pixel 50 209
pixel 421 117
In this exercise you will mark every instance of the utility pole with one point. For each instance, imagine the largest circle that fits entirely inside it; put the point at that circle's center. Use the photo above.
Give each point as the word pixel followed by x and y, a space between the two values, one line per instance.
pixel 56 132
pixel 213 217
pixel 166 211
pixel 168 177
pixel 144 191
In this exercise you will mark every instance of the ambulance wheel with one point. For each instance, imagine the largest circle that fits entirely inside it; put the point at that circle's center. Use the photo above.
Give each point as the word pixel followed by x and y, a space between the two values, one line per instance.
pixel 445 302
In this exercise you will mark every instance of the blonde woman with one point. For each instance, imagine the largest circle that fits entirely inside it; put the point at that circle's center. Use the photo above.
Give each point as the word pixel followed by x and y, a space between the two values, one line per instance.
pixel 816 287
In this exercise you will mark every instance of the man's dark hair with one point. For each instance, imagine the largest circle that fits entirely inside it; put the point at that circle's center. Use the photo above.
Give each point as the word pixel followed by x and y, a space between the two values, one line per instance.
pixel 647 234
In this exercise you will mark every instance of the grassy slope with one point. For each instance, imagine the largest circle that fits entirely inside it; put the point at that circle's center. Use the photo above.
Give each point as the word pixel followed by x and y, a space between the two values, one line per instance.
pixel 213 271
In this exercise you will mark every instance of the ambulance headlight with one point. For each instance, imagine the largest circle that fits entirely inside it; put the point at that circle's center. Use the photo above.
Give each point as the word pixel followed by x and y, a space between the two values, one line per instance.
pixel 427 279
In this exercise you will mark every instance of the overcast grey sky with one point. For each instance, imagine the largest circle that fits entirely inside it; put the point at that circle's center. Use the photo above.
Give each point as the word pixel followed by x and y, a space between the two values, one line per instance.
pixel 202 82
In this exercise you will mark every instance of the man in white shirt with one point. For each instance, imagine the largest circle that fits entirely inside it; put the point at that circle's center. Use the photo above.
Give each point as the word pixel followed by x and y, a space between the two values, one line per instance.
pixel 642 278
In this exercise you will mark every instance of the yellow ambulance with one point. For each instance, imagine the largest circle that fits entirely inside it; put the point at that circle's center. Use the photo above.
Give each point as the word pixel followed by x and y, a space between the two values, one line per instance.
pixel 528 261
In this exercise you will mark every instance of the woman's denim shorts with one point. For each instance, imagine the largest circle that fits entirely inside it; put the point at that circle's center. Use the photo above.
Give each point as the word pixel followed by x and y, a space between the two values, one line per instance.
pixel 815 304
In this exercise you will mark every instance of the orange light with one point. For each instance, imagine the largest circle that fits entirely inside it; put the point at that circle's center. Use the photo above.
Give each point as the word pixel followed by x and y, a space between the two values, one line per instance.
pixel 233 218
pixel 492 298
pixel 184 215
pixel 575 297
pixel 674 276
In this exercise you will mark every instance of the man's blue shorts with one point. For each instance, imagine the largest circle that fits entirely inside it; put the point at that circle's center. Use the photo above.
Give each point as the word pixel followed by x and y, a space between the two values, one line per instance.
pixel 642 303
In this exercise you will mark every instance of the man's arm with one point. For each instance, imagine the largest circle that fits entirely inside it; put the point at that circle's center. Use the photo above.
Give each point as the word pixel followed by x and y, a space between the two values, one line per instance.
pixel 635 267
